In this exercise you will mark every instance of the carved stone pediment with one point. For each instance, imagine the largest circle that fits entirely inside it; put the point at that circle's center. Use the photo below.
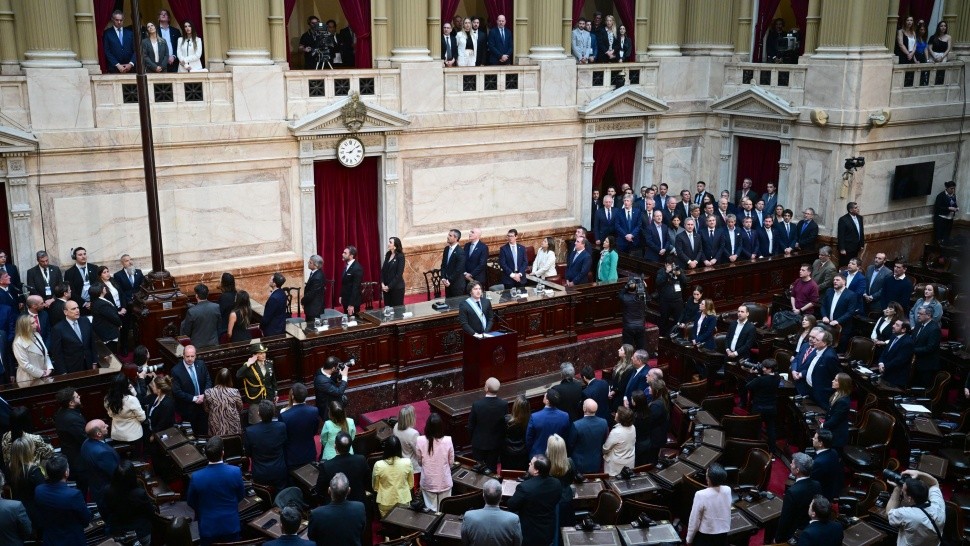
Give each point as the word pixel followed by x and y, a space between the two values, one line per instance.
pixel 330 121
pixel 755 102
pixel 13 140
pixel 625 102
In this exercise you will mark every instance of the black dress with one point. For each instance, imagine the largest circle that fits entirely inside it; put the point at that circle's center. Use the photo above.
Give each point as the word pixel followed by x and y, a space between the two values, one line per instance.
pixel 392 275
pixel 567 514
pixel 618 386
pixel 515 456
pixel 227 300
pixel 240 332
pixel 23 490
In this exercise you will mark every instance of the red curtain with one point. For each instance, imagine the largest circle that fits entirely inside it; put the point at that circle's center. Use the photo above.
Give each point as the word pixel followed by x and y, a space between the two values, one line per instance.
pixel 448 9
pixel 358 16
pixel 500 7
pixel 288 7
pixel 346 207
pixel 186 10
pixel 102 16
pixel 919 9
pixel 800 7
pixel 766 14
pixel 578 6
pixel 619 153
pixel 757 160
pixel 625 9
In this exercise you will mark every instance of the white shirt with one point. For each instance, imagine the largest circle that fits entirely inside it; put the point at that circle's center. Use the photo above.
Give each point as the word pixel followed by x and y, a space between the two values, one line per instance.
pixel 166 34
pixel 737 334
pixel 836 294
pixel 811 367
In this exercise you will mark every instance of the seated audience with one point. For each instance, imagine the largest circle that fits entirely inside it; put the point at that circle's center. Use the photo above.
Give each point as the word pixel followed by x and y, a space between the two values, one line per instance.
pixel 393 478
pixel 710 514
pixel 436 454
pixel 620 447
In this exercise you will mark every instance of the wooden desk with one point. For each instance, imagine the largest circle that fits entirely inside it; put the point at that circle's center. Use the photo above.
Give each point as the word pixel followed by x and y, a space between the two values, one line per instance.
pixel 404 517
pixel 702 457
pixel 586 493
pixel 637 485
pixel 713 437
pixel 468 480
pixel 862 534
pixel 763 510
pixel 306 476
pixel 449 528
pixel 673 474
pixel 662 533
pixel 741 525
pixel 607 536
pixel 268 523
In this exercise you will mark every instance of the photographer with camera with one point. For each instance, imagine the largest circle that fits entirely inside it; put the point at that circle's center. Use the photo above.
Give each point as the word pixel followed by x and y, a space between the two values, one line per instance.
pixel 633 299
pixel 916 507
pixel 670 283
pixel 764 396
pixel 329 385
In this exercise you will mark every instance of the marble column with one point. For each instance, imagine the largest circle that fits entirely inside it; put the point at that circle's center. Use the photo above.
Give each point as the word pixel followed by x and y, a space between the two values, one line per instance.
pixel 784 167
pixel 811 26
pixel 960 28
pixel 724 178
pixel 409 23
pixel 308 200
pixel 9 63
pixel 648 153
pixel 545 20
pixel 434 28
pixel 742 39
pixel 705 31
pixel 213 47
pixel 666 28
pixel 521 29
pixel 846 28
pixel 277 33
pixel 586 187
pixel 20 210
pixel 48 45
pixel 249 38
pixel 390 167
pixel 380 41
pixel 641 38
pixel 567 26
pixel 892 22
pixel 87 35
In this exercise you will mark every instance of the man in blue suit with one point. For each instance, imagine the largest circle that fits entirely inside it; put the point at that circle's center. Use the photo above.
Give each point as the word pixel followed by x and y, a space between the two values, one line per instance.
pixel 769 243
pixel 274 312
pixel 823 364
pixel 301 423
pixel 855 279
pixel 806 232
pixel 838 307
pixel 712 242
pixel 99 461
pixel 638 381
pixel 265 444
pixel 597 390
pixel 190 380
pixel 214 493
pixel 603 221
pixel 546 422
pixel 627 226
pixel 656 238
pixel 827 469
pixel 476 258
pixel 500 43
pixel 749 240
pixel 119 45
pixel 578 264
pixel 65 512
pixel 876 276
pixel 895 360
pixel 511 258
pixel 821 530
pixel 586 437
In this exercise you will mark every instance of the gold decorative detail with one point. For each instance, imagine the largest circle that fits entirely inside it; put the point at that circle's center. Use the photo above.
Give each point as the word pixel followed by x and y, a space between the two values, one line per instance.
pixel 354 113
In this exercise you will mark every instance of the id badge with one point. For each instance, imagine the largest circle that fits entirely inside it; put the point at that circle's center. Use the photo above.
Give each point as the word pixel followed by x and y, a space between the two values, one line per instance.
pixel 676 287
pixel 47 290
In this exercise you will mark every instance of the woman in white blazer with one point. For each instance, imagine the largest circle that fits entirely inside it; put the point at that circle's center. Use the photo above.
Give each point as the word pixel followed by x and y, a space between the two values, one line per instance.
pixel 190 50
pixel 544 265
pixel 33 359
pixel 125 410
pixel 467 48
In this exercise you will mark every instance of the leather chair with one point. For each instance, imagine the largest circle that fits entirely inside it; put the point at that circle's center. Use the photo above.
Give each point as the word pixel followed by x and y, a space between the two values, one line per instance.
pixel 234 450
pixel 695 391
pixel 933 397
pixel 459 504
pixel 371 294
pixel 871 402
pixel 432 283
pixel 735 452
pixel 953 529
pixel 858 505
pixel 869 451
pixel 366 443
pixel 755 472
pixel 958 458
pixel 860 348
pixel 632 509
pixel 720 405
pixel 746 427
pixel 783 360
pixel 608 505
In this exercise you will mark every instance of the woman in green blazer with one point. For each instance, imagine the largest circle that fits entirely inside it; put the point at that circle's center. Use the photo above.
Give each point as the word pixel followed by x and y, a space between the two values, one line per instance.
pixel 608 259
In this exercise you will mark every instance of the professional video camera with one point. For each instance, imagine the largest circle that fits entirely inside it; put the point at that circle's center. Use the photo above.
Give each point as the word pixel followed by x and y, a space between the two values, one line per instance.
pixel 787 47
pixel 323 44
pixel 636 284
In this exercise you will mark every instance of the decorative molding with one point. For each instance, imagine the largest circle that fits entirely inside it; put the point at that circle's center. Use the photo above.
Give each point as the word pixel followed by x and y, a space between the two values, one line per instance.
pixel 330 121
pixel 757 102
pixel 15 142
pixel 624 102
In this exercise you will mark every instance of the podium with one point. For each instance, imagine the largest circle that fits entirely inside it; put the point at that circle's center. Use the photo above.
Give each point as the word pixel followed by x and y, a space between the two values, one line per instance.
pixel 495 356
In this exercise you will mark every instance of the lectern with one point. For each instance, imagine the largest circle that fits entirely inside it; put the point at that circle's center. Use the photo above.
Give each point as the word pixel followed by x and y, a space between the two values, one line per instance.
pixel 494 356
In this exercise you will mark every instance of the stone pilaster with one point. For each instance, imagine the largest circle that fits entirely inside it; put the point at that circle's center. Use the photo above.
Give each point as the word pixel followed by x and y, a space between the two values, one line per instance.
pixel 9 63
pixel 409 23
pixel 666 28
pixel 811 26
pixel 380 42
pixel 704 30
pixel 20 210
pixel 641 38
pixel 742 40
pixel 434 28
pixel 892 24
pixel 567 26
pixel 48 45
pixel 390 188
pixel 586 191
pixel 87 35
pixel 522 31
pixel 213 47
pixel 845 29
pixel 249 37
pixel 277 33
pixel 545 29
pixel 960 27
pixel 308 201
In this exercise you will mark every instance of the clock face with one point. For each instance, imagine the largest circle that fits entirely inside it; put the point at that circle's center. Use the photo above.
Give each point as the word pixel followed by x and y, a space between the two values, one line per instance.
pixel 350 152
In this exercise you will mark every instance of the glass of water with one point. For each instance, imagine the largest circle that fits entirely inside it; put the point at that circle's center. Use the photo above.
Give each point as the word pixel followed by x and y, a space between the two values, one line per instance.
pixel 388 311
pixel 344 321
pixel 317 323
pixel 514 292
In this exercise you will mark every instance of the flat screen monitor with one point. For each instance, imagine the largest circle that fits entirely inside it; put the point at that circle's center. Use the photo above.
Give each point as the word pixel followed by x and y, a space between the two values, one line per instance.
pixel 915 180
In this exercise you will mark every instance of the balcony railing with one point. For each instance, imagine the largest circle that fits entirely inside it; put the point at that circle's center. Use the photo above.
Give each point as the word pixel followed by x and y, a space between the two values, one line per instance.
pixel 593 80
pixel 309 90
pixel 177 99
pixel 925 84
pixel 491 87
pixel 785 80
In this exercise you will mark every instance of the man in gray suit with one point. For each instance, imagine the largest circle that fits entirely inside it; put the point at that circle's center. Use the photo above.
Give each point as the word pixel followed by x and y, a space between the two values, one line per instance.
pixel 15 526
pixel 876 276
pixel 491 525
pixel 201 322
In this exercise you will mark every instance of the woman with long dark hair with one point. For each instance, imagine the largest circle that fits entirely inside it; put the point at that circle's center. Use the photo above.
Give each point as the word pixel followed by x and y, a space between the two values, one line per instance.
pixel 392 273
pixel 940 44
pixel 227 300
pixel 125 412
pixel 190 49
pixel 337 421
pixel 436 454
pixel 392 478
pixel 127 506
pixel 837 419
pixel 25 476
pixel 515 456
pixel 622 371
pixel 239 319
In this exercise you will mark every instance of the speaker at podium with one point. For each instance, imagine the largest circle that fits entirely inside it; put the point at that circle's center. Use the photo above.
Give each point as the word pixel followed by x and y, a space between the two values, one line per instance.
pixel 494 355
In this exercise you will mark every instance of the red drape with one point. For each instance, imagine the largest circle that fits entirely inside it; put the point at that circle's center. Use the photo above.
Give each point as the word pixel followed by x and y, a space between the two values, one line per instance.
pixel 919 9
pixel 102 16
pixel 625 9
pixel 619 153
pixel 186 10
pixel 766 13
pixel 288 7
pixel 358 16
pixel 800 7
pixel 346 207
pixel 578 6
pixel 500 7
pixel 757 160
pixel 448 9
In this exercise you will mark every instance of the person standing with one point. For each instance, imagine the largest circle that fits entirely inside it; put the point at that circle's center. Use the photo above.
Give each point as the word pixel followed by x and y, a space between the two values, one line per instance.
pixel 917 509
pixel 301 427
pixel 821 530
pixel 42 278
pixel 190 380
pixel 15 525
pixel 475 314
pixel 535 501
pixel 201 322
pixel 290 520
pixel 392 273
pixel 491 525
pixel 259 380
pixel 585 439
pixel 476 258
pixel 794 508
pixel 710 514
pixel 99 461
pixel 511 258
pixel 486 425
pixel 453 266
pixel 341 521
pixel 171 36
pixel 436 454
pixel 214 494
pixel 223 405
pixel 69 423
pixel 266 444
pixel 500 43
pixel 851 234
pixel 945 209
pixel 274 312
pixel 119 45
pixel 329 385
pixel 546 422
pixel 314 291
pixel 65 512
pixel 72 342
pixel 352 276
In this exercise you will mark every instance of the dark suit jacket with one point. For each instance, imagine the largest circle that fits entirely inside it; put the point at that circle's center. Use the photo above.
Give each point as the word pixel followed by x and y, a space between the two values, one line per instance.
pixel 603 228
pixel 535 501
pixel 638 382
pixel 125 288
pixel 755 223
pixel 788 237
pixel 337 523
pixel 825 370
pixel 497 47
pixel 72 276
pixel 586 437
pixel 392 271
pixel 827 471
pixel 56 312
pixel 476 262
pixel 850 239
pixel 314 292
pixel 818 533
pixel 174 35
pixel 350 286
pixel 848 305
pixel 805 238
pixel 148 55
pixel 794 509
pixel 214 493
pixel 265 444
pixel 837 420
pixel 571 397
pixel 162 416
pixel 69 424
pixel 469 320
pixel 776 247
pixel 509 266
pixel 745 340
pixel 36 285
pixel 926 346
pixel 858 285
pixel 454 271
pixel 15 526
pixel 486 423
pixel 201 323
pixel 678 212
pixel 749 243
pixel 65 513
pixel 577 267
pixel 543 424
pixel 273 322
pixel 713 247
pixel 481 48
pixel 116 52
pixel 624 228
pixel 70 354
pixel 354 467
pixel 447 55
pixel 897 360
pixel 599 391
pixel 655 242
pixel 704 338
pixel 684 250
pixel 99 461
pixel 106 320
pixel 301 426
pixel 326 390
pixel 183 390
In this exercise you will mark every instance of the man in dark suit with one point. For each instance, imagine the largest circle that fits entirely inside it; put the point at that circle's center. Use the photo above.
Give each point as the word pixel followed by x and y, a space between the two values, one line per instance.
pixel 171 35
pixel 603 220
pixel 476 258
pixel 80 276
pixel 475 313
pixel 945 208
pixel 546 422
pixel 806 232
pixel 671 209
pixel 290 520
pixel 535 501
pixel 65 512
pixel 712 243
pixel 486 425
pixel 823 364
pixel 511 258
pixel 201 322
pixel 105 318
pixel 353 276
pixel 827 466
pixel 597 390
pixel 851 234
pixel 128 279
pixel 69 423
pixel 821 530
pixel 656 239
pixel 745 192
pixel 770 197
pixel 72 342
pixel 626 225
pixel 769 243
pixel 274 318
pixel 449 46
pixel 345 45
pixel 500 43
pixel 749 240
pixel 353 466
pixel 926 348
pixel 638 381
pixel 586 437
pixel 190 379
pixel 689 246
pixel 578 264
pixel 214 493
pixel 43 277
pixel 479 36
pixel 342 520
pixel 119 45
pixel 15 526
pixel 266 446
pixel 838 307
pixel 15 283
pixel 876 276
pixel 329 385
pixel 314 290
pixel 453 266
pixel 99 461
pixel 702 193
pixel 491 525
pixel 794 508
pixel 787 232
pixel 895 362
pixel 301 423
pixel 9 296
pixel 740 336
pixel 570 392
